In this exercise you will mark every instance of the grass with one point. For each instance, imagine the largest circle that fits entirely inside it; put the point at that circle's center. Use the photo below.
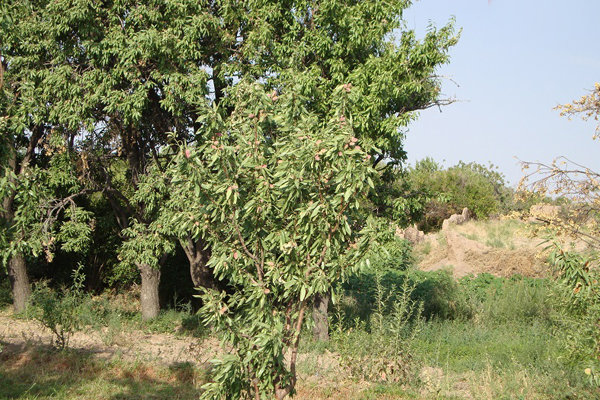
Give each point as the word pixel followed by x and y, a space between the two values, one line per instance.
pixel 37 373
pixel 480 337
pixel 501 343
pixel 497 234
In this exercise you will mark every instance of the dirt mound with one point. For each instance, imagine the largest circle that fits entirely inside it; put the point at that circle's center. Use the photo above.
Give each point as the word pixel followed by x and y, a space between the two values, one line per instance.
pixel 465 255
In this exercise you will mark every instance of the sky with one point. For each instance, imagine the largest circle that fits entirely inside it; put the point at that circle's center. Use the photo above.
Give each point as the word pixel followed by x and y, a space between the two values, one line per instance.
pixel 515 61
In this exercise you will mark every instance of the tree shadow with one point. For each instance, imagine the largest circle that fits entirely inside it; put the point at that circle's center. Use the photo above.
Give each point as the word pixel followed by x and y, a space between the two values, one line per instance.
pixel 42 372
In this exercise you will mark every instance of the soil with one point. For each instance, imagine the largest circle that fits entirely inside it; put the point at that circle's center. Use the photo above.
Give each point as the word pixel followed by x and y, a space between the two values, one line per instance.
pixel 156 348
pixel 132 345
pixel 453 248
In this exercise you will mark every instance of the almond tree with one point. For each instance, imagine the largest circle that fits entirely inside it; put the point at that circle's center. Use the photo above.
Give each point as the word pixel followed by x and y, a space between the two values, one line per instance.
pixel 578 183
pixel 122 75
pixel 39 121
pixel 276 194
pixel 578 273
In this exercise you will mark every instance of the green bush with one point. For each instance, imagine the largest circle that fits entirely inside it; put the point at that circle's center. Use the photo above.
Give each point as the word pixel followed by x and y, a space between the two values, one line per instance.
pixel 482 189
pixel 441 295
pixel 59 310
pixel 380 349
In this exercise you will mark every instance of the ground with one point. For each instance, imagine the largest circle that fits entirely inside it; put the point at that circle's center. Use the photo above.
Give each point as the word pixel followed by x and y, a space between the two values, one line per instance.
pixel 502 247
pixel 507 349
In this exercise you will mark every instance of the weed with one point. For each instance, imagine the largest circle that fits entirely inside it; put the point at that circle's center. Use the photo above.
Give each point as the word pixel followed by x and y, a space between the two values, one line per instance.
pixel 59 310
pixel 380 349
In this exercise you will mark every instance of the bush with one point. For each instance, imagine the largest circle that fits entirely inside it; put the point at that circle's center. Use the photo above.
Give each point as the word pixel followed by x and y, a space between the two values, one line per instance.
pixel 390 252
pixel 441 295
pixel 59 311
pixel 380 349
pixel 482 189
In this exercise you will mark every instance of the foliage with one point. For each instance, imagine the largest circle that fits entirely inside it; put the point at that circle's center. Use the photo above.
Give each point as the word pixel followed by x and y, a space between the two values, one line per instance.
pixel 276 193
pixel 113 80
pixel 382 352
pixel 390 252
pixel 59 311
pixel 113 91
pixel 45 212
pixel 481 189
pixel 439 294
pixel 578 303
pixel 577 273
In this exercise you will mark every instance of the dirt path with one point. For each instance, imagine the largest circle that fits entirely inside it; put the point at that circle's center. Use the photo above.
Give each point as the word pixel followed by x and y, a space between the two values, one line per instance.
pixel 131 345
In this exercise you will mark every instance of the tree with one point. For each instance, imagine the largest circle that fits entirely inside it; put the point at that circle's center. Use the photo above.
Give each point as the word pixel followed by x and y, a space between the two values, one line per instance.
pixel 39 182
pixel 118 76
pixel 122 75
pixel 345 42
pixel 575 182
pixel 577 273
pixel 340 43
pixel 276 194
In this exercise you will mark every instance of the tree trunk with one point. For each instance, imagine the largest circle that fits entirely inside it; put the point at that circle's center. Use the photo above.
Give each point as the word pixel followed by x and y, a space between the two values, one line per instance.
pixel 149 296
pixel 19 282
pixel 17 267
pixel 201 275
pixel 198 254
pixel 321 328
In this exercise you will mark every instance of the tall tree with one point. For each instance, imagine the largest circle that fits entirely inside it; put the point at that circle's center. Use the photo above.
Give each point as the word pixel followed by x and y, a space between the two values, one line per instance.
pixel 39 117
pixel 129 73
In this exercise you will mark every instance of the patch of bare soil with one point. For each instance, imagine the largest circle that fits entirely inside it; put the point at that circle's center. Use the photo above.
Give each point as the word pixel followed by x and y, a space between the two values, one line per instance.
pixel 130 346
pixel 452 248
pixel 17 335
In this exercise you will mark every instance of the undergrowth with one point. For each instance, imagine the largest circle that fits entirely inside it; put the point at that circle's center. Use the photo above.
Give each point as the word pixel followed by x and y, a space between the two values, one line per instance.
pixel 484 337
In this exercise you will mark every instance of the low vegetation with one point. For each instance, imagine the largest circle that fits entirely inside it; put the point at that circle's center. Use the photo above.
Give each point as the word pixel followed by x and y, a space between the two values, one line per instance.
pixel 394 334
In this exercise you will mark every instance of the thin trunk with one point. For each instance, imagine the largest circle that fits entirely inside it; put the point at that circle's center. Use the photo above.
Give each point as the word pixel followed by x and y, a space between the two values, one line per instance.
pixel 19 281
pixel 321 328
pixel 149 296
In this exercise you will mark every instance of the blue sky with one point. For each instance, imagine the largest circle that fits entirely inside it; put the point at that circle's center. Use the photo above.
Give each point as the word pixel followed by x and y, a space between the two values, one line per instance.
pixel 515 61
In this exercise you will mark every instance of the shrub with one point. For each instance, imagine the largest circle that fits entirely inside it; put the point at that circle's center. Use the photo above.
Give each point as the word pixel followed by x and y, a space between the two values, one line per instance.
pixel 59 310
pixel 391 251
pixel 441 295
pixel 380 349
pixel 480 188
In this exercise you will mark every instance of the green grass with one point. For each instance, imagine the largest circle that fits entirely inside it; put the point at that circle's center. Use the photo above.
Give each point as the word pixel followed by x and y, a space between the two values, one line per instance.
pixel 488 338
pixel 461 346
pixel 480 337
